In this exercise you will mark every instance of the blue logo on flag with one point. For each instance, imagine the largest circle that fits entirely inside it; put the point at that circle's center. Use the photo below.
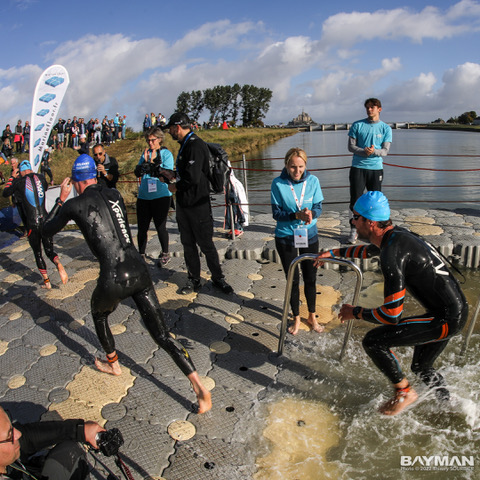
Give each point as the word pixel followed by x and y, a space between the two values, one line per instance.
pixel 39 127
pixel 43 112
pixel 48 97
pixel 55 81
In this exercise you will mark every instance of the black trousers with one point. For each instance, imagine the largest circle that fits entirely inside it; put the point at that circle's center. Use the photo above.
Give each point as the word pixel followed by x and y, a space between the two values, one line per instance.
pixel 196 229
pixel 157 210
pixel 287 254
pixel 361 179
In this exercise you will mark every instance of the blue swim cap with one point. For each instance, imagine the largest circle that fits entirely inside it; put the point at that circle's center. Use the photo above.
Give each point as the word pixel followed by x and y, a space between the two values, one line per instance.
pixel 25 165
pixel 84 168
pixel 374 206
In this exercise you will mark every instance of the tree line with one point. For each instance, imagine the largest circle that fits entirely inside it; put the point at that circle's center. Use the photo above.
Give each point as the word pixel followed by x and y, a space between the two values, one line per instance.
pixel 227 103
pixel 465 118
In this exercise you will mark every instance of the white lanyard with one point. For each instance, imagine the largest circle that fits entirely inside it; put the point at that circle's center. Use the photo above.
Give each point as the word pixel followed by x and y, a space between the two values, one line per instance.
pixel 299 203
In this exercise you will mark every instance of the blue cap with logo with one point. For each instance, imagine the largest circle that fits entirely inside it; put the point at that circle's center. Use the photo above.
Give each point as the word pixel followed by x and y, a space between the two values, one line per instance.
pixel 84 168
pixel 374 206
pixel 25 165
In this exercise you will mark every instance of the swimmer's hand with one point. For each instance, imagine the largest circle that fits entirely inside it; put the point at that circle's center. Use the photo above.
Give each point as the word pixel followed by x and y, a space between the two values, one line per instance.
pixel 65 189
pixel 318 261
pixel 346 313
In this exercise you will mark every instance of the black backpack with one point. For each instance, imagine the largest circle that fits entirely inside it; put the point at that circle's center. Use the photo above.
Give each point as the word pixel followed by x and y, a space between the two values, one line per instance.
pixel 219 168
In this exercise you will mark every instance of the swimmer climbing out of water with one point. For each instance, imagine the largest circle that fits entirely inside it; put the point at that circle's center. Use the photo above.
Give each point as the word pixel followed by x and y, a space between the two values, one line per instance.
pixel 100 214
pixel 408 263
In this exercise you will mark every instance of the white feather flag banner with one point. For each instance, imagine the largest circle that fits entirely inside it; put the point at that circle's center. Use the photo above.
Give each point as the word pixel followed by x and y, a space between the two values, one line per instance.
pixel 48 96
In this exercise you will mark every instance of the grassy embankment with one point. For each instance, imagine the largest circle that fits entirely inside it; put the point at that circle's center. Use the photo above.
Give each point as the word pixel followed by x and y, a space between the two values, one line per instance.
pixel 236 141
pixel 446 126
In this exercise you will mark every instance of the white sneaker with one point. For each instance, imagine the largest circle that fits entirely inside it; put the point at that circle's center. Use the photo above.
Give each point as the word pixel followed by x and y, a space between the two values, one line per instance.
pixel 352 239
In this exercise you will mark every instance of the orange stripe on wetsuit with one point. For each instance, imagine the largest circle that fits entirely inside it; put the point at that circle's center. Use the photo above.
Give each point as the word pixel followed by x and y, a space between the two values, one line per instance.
pixel 359 251
pixel 391 310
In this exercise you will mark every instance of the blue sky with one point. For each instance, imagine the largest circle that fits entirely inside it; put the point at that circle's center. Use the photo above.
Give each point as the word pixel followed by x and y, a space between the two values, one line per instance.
pixel 421 58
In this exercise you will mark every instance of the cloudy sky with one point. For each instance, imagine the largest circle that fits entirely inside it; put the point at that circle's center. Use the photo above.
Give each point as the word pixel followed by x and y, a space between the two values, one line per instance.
pixel 421 58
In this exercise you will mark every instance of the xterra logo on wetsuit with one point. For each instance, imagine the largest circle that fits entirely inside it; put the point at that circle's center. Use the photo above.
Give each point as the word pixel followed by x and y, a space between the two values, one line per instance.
pixel 117 210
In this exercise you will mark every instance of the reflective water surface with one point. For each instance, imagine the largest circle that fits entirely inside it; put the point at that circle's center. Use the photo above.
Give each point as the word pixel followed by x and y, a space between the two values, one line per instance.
pixel 405 187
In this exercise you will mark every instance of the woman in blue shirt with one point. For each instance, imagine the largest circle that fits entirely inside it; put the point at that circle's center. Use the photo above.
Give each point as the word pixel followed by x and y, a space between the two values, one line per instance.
pixel 154 198
pixel 296 199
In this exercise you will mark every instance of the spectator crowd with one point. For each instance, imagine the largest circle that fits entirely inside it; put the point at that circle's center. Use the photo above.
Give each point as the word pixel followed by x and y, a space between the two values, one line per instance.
pixel 70 133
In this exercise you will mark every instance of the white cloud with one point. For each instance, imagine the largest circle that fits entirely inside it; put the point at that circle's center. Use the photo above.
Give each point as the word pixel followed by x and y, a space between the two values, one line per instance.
pixel 328 76
pixel 346 29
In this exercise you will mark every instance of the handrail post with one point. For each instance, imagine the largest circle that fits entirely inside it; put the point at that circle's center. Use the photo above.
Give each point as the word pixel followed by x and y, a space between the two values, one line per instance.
pixel 288 294
pixel 470 329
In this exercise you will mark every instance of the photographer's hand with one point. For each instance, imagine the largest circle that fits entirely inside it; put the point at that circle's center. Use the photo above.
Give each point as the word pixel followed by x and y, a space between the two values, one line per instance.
pixel 91 429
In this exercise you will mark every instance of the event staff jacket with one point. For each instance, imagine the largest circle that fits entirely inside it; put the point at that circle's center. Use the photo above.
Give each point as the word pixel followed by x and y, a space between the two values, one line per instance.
pixel 409 262
pixel 193 186
pixel 39 436
pixel 284 204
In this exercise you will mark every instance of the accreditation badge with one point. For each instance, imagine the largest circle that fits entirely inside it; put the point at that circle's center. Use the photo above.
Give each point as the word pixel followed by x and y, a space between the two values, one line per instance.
pixel 152 185
pixel 300 237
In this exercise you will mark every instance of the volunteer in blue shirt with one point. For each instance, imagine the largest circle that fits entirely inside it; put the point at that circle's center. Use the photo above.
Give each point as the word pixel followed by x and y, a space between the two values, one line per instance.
pixel 369 140
pixel 296 199
pixel 154 198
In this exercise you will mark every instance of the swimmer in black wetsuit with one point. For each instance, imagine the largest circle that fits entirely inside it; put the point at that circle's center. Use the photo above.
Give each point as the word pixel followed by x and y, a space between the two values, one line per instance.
pixel 100 214
pixel 28 190
pixel 407 262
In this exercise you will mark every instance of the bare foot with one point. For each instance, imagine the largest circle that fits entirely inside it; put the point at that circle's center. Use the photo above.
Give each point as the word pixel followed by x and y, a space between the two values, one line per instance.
pixel 204 397
pixel 47 285
pixel 107 367
pixel 62 273
pixel 295 327
pixel 316 327
pixel 398 402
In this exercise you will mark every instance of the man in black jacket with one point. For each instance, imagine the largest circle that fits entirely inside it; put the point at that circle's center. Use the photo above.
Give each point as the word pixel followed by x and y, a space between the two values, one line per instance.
pixel 107 167
pixel 194 212
pixel 18 443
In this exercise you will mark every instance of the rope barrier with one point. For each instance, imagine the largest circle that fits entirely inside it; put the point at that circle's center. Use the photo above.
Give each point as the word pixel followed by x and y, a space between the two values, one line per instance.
pixel 345 167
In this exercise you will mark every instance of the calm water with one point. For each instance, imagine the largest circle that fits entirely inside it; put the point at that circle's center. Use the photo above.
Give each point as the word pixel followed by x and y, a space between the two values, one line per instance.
pixel 342 436
pixel 405 187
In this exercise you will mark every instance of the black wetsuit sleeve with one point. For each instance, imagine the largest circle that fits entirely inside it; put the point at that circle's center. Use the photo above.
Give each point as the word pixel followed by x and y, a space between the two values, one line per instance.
pixel 39 435
pixel 10 187
pixel 57 219
pixel 394 291
pixel 356 251
pixel 391 311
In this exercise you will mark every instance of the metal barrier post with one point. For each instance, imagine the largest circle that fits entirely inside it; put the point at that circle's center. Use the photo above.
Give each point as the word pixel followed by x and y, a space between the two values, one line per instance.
pixel 470 329
pixel 232 223
pixel 288 294
pixel 244 166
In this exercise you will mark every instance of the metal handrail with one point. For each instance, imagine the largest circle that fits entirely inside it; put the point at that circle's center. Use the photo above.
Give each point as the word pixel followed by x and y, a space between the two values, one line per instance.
pixel 288 294
pixel 463 351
